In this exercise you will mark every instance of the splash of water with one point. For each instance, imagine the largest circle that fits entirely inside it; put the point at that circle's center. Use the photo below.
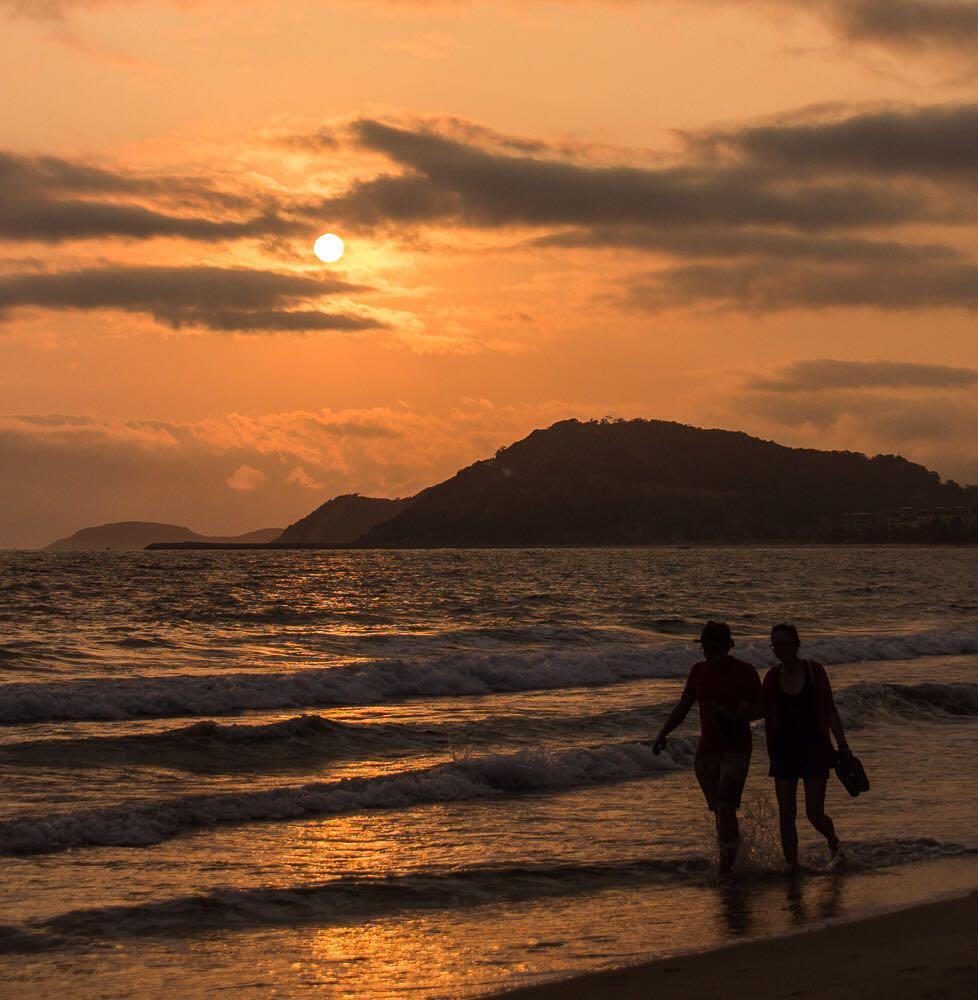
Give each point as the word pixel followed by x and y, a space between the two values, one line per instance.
pixel 760 842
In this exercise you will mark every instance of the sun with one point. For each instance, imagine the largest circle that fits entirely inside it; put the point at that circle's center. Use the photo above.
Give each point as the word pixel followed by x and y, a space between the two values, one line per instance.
pixel 328 248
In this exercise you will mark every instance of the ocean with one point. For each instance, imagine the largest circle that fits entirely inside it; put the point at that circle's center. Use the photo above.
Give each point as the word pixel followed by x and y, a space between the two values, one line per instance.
pixel 379 773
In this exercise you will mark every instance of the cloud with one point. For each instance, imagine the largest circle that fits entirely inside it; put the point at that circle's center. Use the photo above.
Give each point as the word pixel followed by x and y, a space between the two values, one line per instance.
pixel 934 428
pixel 299 477
pixel 51 200
pixel 74 471
pixel 55 221
pixel 775 286
pixel 924 411
pixel 825 374
pixel 905 24
pixel 931 142
pixel 707 242
pixel 246 478
pixel 446 179
pixel 217 298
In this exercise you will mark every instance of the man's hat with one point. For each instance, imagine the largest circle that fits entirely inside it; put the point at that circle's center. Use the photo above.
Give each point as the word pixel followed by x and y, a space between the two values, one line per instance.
pixel 716 632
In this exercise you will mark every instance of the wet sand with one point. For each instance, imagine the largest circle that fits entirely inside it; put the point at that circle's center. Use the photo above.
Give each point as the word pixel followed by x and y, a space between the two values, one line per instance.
pixel 926 951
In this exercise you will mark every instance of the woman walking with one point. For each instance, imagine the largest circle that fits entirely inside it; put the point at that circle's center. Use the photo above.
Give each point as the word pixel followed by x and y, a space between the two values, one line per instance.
pixel 799 715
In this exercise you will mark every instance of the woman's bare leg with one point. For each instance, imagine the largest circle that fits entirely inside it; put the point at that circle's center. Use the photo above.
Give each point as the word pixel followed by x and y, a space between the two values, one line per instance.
pixel 815 811
pixel 787 791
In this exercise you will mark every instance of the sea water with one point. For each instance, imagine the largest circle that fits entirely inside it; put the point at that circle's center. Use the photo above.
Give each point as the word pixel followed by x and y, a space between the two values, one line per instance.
pixel 375 773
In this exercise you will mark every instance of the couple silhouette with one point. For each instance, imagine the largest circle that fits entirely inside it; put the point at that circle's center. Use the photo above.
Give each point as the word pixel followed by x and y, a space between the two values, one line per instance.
pixel 800 717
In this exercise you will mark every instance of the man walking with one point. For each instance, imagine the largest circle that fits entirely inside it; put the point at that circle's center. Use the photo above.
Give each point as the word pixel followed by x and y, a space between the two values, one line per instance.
pixel 728 692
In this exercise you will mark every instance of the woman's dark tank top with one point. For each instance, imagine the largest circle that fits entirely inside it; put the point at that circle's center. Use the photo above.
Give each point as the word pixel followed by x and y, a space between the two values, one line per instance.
pixel 797 722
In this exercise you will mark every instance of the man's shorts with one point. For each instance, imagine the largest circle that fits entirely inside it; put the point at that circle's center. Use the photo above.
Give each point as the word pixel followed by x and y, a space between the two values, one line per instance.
pixel 722 777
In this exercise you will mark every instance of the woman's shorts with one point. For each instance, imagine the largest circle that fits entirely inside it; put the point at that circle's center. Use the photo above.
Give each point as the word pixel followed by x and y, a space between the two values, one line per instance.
pixel 786 768
pixel 722 777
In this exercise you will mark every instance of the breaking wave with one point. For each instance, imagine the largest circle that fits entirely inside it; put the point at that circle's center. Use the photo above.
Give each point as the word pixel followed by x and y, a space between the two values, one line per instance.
pixel 869 701
pixel 457 674
pixel 479 777
pixel 215 747
pixel 360 684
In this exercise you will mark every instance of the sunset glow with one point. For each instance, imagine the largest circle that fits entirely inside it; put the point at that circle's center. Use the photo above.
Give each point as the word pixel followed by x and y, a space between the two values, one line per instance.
pixel 686 232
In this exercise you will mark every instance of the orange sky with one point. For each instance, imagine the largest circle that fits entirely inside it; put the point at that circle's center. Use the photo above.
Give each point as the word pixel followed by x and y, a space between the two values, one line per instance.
pixel 755 215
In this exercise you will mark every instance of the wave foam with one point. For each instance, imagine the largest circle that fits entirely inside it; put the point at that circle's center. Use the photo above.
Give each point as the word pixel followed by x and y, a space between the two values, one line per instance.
pixel 457 674
pixel 371 683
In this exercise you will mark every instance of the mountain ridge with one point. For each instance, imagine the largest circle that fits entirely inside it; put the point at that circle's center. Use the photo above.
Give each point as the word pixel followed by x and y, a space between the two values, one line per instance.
pixel 343 518
pixel 640 482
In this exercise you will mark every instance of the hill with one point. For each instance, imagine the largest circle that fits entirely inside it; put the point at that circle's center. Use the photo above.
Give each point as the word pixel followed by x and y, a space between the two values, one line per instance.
pixel 343 519
pixel 138 534
pixel 652 481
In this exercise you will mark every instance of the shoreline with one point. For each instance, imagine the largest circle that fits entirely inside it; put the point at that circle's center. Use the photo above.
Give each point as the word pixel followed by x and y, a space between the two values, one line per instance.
pixel 923 951
pixel 359 547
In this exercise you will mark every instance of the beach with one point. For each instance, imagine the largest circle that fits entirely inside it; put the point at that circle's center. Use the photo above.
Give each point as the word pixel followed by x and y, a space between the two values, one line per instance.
pixel 927 951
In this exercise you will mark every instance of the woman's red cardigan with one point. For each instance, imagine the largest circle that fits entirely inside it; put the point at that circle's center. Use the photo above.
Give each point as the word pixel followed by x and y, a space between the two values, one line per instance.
pixel 820 751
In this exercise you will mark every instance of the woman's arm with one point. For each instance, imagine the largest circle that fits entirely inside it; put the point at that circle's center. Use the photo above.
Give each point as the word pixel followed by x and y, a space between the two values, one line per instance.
pixel 835 724
pixel 832 714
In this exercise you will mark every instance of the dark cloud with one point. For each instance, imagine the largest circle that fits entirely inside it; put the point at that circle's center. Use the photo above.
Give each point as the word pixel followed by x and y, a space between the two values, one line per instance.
pixel 296 320
pixel 213 297
pixel 54 221
pixel 774 285
pixel 829 374
pixel 722 243
pixel 448 180
pixel 20 173
pixel 907 24
pixel 48 199
pixel 938 142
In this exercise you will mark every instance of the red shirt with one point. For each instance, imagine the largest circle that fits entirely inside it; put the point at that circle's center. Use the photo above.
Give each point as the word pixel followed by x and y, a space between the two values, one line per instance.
pixel 727 686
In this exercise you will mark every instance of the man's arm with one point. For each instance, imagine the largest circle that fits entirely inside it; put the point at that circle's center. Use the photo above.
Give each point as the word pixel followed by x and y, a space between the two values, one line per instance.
pixel 676 716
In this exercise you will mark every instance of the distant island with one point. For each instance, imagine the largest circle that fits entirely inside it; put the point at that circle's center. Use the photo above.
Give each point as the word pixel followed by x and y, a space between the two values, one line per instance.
pixel 129 535
pixel 639 482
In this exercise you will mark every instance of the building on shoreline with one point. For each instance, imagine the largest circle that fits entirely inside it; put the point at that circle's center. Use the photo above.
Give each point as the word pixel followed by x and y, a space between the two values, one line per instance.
pixel 911 524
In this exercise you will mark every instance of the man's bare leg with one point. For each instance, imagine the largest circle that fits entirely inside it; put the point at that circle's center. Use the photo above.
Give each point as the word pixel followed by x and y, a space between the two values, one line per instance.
pixel 728 835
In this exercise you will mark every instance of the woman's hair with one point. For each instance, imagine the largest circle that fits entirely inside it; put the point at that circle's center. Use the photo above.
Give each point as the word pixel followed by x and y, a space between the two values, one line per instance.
pixel 786 627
